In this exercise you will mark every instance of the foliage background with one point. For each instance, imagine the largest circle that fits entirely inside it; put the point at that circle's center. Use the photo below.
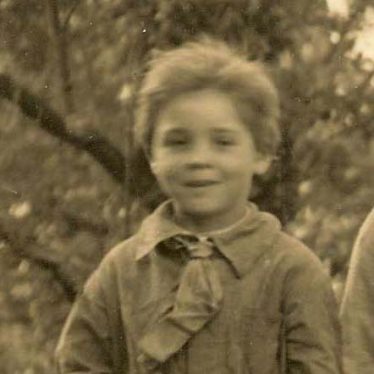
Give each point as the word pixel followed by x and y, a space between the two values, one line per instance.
pixel 71 181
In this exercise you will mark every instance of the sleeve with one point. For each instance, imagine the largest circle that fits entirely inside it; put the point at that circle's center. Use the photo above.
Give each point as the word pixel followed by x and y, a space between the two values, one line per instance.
pixel 311 327
pixel 85 342
pixel 357 308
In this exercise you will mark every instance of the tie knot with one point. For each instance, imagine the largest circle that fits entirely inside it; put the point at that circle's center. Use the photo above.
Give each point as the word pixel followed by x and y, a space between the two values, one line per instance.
pixel 203 248
pixel 197 247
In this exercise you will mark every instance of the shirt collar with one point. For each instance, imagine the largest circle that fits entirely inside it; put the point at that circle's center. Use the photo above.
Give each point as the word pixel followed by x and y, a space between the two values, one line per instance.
pixel 241 244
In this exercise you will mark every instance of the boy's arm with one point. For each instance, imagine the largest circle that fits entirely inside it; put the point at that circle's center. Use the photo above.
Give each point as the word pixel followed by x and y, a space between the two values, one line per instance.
pixel 312 331
pixel 86 345
pixel 357 309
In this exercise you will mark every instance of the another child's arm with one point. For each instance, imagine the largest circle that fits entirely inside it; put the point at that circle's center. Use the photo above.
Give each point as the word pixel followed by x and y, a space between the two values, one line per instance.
pixel 357 308
pixel 312 330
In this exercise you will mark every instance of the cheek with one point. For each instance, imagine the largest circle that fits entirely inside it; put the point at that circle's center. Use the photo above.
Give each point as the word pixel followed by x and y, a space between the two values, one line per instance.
pixel 165 171
pixel 167 163
pixel 238 166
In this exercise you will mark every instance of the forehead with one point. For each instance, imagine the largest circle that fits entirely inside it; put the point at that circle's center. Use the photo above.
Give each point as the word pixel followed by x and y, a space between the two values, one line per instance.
pixel 201 108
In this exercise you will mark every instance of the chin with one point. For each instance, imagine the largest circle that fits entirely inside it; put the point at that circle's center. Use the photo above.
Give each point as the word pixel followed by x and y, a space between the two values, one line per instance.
pixel 201 210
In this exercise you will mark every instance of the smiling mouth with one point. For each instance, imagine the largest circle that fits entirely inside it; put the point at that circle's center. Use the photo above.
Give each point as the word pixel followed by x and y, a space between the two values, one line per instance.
pixel 200 183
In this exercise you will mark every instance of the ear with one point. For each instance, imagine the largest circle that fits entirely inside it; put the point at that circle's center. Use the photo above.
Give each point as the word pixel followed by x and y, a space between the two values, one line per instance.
pixel 262 164
pixel 154 167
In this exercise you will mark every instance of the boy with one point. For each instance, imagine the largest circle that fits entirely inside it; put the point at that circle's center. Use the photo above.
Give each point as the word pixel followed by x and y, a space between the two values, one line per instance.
pixel 357 309
pixel 208 284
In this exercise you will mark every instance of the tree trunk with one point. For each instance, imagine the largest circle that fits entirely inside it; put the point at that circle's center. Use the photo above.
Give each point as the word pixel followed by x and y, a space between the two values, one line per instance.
pixel 288 178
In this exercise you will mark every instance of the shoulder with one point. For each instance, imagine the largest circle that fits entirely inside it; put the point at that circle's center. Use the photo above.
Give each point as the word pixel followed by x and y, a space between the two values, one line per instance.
pixel 124 252
pixel 304 278
pixel 298 262
pixel 285 252
pixel 118 263
pixel 284 248
pixel 295 252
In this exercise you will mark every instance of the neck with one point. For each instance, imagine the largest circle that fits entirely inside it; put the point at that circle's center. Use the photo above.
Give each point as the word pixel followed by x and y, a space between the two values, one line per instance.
pixel 209 225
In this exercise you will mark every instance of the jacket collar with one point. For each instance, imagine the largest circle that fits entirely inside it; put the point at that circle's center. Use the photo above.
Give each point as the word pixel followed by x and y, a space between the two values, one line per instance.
pixel 241 244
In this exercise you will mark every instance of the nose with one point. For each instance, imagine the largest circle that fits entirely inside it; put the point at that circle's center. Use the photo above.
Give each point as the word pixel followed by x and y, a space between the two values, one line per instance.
pixel 200 155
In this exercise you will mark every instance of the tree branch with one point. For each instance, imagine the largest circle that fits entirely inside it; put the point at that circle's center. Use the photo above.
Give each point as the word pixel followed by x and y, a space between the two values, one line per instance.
pixel 108 156
pixel 61 58
pixel 66 21
pixel 79 222
pixel 42 257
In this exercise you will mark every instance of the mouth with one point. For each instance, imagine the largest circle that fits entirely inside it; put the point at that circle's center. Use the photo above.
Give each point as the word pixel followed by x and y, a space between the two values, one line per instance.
pixel 200 183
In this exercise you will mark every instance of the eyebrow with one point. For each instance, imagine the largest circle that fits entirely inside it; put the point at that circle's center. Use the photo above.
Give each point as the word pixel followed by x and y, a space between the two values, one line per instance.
pixel 186 128
pixel 176 130
pixel 224 130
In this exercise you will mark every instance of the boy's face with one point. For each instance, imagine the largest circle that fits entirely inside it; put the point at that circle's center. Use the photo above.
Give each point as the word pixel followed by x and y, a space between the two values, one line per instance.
pixel 204 158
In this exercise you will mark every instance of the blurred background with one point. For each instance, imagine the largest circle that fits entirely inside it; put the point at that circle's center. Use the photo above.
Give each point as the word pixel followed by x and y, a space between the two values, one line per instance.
pixel 72 182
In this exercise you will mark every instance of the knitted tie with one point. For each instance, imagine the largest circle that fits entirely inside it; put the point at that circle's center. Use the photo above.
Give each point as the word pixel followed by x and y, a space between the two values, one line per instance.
pixel 197 300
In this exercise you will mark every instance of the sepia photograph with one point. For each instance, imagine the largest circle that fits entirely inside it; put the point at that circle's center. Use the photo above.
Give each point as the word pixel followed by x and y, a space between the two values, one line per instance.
pixel 186 187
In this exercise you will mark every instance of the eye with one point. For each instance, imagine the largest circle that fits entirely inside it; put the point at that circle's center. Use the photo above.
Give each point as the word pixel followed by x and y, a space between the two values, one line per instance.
pixel 176 140
pixel 224 140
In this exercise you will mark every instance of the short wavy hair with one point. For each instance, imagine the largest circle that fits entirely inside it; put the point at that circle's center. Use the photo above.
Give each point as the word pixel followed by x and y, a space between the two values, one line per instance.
pixel 210 64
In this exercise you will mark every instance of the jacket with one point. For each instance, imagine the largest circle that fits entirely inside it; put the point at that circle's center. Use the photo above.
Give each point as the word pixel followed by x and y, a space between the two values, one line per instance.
pixel 279 313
